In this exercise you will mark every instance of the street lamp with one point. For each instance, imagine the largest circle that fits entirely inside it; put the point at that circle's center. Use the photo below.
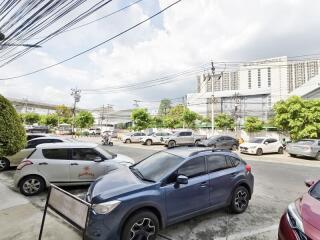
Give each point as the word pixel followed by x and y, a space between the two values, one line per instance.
pixel 75 93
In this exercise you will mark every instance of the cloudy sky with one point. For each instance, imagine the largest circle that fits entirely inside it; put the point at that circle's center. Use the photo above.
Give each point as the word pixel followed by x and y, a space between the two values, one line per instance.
pixel 190 34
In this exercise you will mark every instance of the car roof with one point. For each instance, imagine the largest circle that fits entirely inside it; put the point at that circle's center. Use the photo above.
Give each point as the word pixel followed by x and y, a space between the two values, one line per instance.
pixel 68 145
pixel 192 151
pixel 48 137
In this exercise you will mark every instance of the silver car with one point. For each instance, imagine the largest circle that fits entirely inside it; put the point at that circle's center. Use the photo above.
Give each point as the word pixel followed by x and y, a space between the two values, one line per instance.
pixel 65 164
pixel 305 147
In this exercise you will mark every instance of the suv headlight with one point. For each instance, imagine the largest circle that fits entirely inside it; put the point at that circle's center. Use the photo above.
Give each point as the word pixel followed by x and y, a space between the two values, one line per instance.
pixel 105 208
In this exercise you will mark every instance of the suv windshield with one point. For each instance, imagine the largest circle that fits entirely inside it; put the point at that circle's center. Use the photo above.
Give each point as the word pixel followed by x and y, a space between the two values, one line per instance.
pixel 256 140
pixel 157 166
pixel 315 191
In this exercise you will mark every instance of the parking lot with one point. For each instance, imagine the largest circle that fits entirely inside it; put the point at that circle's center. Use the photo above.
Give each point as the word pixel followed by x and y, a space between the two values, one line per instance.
pixel 279 180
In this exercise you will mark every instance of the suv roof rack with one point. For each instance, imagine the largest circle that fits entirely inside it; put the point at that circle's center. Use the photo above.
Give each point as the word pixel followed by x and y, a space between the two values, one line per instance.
pixel 209 150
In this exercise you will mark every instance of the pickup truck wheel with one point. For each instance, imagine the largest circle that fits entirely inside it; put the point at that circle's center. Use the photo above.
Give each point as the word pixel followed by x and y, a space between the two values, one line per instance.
pixel 142 225
pixel 240 200
pixel 197 143
pixel 280 150
pixel 4 164
pixel 128 141
pixel 149 142
pixel 171 144
pixel 31 185
pixel 259 152
pixel 318 156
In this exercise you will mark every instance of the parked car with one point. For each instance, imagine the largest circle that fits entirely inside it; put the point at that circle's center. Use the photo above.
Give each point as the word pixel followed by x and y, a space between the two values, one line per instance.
pixel 38 129
pixel 36 135
pixel 261 145
pixel 167 187
pixel 14 160
pixel 155 138
pixel 65 164
pixel 183 138
pixel 305 147
pixel 94 131
pixel 134 137
pixel 221 142
pixel 301 220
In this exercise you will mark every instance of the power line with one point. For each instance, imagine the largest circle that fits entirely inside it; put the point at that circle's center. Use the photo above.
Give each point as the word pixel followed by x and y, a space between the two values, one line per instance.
pixel 96 46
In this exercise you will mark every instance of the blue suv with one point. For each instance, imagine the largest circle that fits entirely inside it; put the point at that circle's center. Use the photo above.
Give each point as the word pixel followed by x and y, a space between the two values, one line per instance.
pixel 167 187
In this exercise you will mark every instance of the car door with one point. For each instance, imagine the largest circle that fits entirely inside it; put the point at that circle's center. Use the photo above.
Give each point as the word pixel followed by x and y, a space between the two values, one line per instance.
pixel 136 137
pixel 220 143
pixel 189 139
pixel 268 146
pixel 184 199
pixel 55 164
pixel 274 145
pixel 84 166
pixel 221 179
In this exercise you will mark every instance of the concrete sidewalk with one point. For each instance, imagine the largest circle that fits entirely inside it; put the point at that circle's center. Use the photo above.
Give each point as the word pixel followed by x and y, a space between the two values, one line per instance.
pixel 15 208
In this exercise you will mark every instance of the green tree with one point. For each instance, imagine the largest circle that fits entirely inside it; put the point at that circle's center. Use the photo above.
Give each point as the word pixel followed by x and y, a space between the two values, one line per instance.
pixel 174 119
pixel 298 117
pixel 157 122
pixel 12 132
pixel 64 114
pixel 50 120
pixel 253 124
pixel 189 118
pixel 224 121
pixel 84 119
pixel 164 107
pixel 141 119
pixel 31 118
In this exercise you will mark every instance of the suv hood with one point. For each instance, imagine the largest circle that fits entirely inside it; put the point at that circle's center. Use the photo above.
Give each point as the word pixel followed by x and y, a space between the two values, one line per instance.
pixel 113 184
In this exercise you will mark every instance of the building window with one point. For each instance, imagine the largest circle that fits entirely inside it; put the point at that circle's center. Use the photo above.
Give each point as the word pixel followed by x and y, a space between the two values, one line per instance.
pixel 269 77
pixel 234 80
pixel 290 78
pixel 259 78
pixel 299 74
pixel 249 79
pixel 225 81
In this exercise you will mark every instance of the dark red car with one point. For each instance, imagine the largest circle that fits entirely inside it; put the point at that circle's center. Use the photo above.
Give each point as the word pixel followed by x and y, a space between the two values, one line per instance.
pixel 301 221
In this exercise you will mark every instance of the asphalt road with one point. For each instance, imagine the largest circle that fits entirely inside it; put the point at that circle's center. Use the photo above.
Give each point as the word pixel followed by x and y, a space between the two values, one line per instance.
pixel 276 185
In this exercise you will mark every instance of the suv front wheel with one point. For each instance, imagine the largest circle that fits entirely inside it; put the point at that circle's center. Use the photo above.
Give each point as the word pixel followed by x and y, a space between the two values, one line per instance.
pixel 31 185
pixel 142 225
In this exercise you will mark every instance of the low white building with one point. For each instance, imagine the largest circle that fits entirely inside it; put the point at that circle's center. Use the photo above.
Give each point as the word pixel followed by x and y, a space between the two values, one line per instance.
pixel 255 87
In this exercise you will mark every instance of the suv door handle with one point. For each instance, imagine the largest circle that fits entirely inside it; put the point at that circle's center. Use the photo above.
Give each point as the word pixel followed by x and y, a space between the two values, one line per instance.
pixel 204 184
pixel 43 163
pixel 74 164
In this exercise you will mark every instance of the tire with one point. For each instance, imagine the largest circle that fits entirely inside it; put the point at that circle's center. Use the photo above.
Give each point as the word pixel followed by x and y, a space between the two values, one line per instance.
pixel 32 185
pixel 234 147
pixel 149 142
pixel 142 225
pixel 213 146
pixel 196 143
pixel 259 152
pixel 240 200
pixel 280 150
pixel 292 155
pixel 171 144
pixel 128 141
pixel 4 164
pixel 318 156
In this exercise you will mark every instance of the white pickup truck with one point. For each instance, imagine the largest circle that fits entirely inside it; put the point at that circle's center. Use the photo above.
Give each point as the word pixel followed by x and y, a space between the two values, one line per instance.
pixel 183 138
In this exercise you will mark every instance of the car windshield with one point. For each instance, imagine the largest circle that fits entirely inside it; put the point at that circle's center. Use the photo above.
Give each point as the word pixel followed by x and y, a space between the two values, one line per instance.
pixel 305 142
pixel 157 166
pixel 315 191
pixel 106 153
pixel 256 140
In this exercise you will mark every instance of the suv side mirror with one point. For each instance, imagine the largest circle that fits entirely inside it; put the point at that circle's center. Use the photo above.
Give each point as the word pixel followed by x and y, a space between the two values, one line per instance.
pixel 98 159
pixel 181 179
pixel 309 183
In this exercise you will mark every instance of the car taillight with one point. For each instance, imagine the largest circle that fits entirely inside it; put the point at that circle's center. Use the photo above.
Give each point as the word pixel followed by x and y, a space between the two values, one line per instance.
pixel 248 168
pixel 23 164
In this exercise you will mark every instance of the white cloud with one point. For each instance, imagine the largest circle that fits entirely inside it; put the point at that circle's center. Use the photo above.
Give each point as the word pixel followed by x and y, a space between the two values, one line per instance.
pixel 193 32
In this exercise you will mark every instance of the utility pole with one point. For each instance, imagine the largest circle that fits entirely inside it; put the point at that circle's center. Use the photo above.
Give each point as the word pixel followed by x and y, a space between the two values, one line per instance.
pixel 136 105
pixel 75 93
pixel 212 98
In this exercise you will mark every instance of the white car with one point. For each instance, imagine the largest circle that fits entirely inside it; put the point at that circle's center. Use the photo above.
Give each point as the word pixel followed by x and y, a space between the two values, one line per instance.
pixel 261 145
pixel 133 137
pixel 65 164
pixel 15 159
pixel 155 138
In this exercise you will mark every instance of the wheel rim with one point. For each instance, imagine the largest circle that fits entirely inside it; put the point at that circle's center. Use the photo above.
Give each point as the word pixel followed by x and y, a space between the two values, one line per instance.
pixel 171 144
pixel 148 142
pixel 280 150
pixel 31 186
pixel 234 147
pixel 3 164
pixel 142 229
pixel 241 199
pixel 259 152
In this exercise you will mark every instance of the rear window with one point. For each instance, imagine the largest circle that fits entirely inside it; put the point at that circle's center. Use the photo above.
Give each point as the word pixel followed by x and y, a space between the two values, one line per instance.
pixel 233 161
pixel 61 153
pixel 216 163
